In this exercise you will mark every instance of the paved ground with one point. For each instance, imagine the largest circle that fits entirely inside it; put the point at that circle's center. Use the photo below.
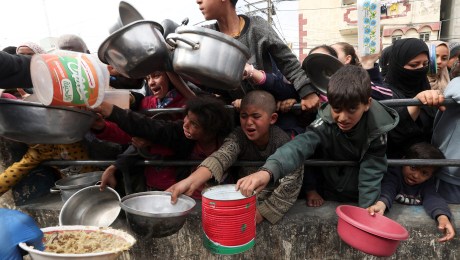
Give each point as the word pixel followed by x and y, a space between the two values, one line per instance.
pixel 6 200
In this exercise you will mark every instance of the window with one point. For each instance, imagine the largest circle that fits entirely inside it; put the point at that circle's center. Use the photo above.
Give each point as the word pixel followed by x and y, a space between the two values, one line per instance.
pixel 425 36
pixel 395 38
pixel 348 2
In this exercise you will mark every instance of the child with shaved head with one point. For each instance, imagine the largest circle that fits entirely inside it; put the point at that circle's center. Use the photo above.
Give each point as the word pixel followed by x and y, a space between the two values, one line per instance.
pixel 255 140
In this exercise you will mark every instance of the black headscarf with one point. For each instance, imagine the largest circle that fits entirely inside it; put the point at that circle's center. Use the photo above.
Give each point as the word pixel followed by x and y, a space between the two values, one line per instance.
pixel 384 60
pixel 407 82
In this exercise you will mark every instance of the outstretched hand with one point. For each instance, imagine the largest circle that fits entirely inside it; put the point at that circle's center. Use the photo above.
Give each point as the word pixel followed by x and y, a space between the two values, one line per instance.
pixel 253 183
pixel 187 186
pixel 310 102
pixel 446 228
pixel 285 106
pixel 183 187
pixel 379 208
pixel 108 178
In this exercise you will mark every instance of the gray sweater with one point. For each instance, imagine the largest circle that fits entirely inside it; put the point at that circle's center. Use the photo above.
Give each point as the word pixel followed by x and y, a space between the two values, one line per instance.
pixel 263 42
pixel 276 199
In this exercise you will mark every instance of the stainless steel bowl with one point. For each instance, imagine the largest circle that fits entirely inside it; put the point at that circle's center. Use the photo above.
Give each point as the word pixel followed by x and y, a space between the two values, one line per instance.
pixel 91 207
pixel 136 50
pixel 151 214
pixel 68 186
pixel 34 123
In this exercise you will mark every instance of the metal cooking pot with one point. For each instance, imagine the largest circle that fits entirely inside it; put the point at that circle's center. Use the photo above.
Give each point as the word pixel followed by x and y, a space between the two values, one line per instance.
pixel 208 57
pixel 151 214
pixel 70 185
pixel 91 207
pixel 136 50
pixel 34 123
pixel 128 14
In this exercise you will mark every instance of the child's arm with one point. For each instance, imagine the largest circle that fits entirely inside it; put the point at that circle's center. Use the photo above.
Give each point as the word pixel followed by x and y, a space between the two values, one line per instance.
pixel 371 171
pixel 286 159
pixel 188 185
pixel 282 198
pixel 446 228
pixel 108 178
pixel 213 166
pixel 391 185
pixel 437 208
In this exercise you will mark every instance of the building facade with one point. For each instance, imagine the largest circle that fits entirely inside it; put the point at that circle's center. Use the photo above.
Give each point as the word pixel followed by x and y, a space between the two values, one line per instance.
pixel 330 21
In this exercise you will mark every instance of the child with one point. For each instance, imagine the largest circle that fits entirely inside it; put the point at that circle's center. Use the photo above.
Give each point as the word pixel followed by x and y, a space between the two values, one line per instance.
pixel 256 139
pixel 351 127
pixel 414 185
pixel 36 154
pixel 199 134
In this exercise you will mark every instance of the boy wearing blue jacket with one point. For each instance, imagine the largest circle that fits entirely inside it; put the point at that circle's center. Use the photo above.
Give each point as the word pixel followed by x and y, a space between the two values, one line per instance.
pixel 415 185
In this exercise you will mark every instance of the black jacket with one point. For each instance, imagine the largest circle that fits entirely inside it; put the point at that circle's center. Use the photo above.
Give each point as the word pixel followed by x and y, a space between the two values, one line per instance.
pixel 14 71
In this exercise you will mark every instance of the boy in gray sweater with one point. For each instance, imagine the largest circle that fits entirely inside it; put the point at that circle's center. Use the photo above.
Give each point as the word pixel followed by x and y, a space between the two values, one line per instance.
pixel 255 140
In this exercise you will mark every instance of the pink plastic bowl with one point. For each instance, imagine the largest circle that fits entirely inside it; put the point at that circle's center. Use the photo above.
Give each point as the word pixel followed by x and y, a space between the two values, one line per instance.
pixel 376 235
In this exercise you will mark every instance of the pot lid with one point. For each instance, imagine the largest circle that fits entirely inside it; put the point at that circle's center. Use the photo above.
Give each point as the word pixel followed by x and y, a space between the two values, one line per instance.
pixel 319 68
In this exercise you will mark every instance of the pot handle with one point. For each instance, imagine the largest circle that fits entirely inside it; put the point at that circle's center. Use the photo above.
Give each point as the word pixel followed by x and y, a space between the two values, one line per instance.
pixel 173 37
pixel 55 190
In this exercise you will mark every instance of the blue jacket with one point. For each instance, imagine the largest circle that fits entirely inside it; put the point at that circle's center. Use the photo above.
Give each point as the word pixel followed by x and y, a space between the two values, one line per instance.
pixel 395 188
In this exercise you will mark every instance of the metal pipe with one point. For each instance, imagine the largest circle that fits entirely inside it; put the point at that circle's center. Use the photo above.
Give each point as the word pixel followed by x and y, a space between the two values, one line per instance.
pixel 392 162
pixel 388 102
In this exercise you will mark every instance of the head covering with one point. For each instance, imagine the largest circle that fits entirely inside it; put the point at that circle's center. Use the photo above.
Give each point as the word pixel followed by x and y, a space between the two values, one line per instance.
pixel 10 49
pixel 72 42
pixel 454 48
pixel 384 59
pixel 439 80
pixel 405 81
pixel 37 49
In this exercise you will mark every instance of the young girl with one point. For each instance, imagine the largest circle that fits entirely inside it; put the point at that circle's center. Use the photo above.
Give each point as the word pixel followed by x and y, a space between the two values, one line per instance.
pixel 200 133
pixel 440 80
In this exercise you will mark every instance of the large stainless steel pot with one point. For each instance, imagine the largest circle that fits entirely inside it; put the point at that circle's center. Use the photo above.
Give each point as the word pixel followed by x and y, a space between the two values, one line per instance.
pixel 34 123
pixel 70 185
pixel 208 57
pixel 136 50
pixel 151 214
pixel 91 207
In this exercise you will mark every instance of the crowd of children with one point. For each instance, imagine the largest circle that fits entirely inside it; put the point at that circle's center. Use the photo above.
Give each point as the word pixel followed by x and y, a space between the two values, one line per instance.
pixel 350 125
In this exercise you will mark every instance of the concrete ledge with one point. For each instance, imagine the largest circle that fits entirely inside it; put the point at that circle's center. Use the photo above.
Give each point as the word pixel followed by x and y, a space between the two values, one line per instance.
pixel 304 233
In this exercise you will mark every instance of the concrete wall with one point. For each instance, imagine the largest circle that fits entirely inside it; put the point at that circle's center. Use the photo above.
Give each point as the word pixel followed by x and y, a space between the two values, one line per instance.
pixel 304 233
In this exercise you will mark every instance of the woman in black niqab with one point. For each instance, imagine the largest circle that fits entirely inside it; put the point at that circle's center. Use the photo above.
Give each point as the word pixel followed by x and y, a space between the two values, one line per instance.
pixel 407 83
pixel 407 78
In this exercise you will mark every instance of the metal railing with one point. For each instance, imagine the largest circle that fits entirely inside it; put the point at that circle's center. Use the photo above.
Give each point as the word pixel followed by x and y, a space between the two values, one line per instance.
pixel 325 163
pixel 389 102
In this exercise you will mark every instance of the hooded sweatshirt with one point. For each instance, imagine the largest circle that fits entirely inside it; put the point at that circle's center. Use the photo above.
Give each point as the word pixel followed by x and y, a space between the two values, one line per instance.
pixel 365 143
pixel 446 134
